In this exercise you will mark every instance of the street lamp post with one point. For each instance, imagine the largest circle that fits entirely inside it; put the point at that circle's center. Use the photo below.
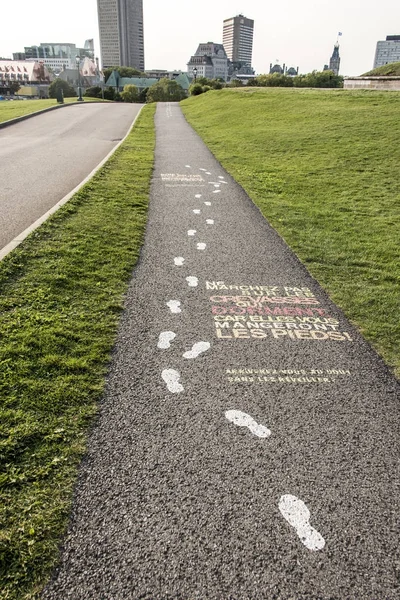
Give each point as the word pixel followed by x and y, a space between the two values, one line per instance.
pixel 78 60
pixel 195 74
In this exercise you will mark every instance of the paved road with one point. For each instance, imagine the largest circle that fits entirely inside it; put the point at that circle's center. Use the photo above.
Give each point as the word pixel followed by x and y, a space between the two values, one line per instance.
pixel 43 158
pixel 248 442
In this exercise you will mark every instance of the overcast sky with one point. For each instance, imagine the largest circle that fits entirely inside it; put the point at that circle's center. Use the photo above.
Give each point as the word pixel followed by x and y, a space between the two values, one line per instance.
pixel 296 32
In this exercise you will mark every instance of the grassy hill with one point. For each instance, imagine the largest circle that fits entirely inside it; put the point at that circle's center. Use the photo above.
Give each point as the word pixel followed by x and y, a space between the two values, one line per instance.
pixel 390 69
pixel 322 166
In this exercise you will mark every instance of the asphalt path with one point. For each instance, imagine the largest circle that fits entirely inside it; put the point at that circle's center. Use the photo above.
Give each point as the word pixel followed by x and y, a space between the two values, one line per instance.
pixel 44 158
pixel 247 446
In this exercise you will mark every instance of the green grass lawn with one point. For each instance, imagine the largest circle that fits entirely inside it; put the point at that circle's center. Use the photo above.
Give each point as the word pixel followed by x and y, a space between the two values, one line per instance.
pixel 61 294
pixel 19 108
pixel 323 167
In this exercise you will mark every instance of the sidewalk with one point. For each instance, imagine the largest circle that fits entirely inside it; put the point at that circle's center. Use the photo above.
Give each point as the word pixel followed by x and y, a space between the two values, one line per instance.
pixel 248 441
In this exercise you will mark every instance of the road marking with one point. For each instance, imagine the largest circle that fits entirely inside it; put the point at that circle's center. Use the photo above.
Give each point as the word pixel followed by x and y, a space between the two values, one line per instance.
pixel 210 221
pixel 297 515
pixel 208 173
pixel 201 246
pixel 197 349
pixel 202 169
pixel 165 339
pixel 191 232
pixel 171 378
pixel 196 211
pixel 179 260
pixel 207 203
pixel 242 419
pixel 188 166
pixel 174 306
pixel 216 191
pixel 192 281
pixel 221 177
pixel 197 196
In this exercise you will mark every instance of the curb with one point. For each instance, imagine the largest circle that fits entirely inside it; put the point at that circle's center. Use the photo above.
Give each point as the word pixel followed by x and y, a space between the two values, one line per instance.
pixel 24 234
pixel 40 112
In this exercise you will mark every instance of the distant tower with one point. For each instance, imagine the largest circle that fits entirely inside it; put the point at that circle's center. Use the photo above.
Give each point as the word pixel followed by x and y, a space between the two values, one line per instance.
pixel 237 39
pixel 121 33
pixel 334 62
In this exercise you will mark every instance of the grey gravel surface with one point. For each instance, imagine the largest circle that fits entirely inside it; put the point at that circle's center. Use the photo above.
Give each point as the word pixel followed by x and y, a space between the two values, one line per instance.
pixel 44 158
pixel 294 497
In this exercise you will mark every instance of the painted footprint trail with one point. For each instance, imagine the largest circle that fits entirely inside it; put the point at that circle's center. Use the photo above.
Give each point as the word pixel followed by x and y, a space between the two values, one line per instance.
pixel 247 442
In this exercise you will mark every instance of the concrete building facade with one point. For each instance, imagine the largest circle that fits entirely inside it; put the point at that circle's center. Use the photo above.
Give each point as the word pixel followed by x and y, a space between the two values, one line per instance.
pixel 237 39
pixel 387 51
pixel 121 33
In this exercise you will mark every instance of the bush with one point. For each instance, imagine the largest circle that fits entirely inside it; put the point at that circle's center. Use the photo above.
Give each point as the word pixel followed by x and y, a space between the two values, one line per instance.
pixel 130 93
pixel 93 92
pixel 196 89
pixel 166 90
pixel 58 85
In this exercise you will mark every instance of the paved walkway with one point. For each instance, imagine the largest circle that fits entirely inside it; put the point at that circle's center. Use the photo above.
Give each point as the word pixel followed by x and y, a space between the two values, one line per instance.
pixel 248 442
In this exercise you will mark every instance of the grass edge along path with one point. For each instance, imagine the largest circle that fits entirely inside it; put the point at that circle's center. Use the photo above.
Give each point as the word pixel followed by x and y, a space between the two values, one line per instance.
pixel 322 166
pixel 61 294
pixel 20 108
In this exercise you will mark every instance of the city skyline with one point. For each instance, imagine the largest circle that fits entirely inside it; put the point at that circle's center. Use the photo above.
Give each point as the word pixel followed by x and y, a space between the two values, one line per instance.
pixel 305 36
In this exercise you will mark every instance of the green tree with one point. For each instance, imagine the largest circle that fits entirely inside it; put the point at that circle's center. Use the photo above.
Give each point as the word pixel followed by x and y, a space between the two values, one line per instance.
pixel 274 80
pixel 123 71
pixel 130 93
pixel 60 84
pixel 319 79
pixel 93 92
pixel 196 89
pixel 14 87
pixel 166 90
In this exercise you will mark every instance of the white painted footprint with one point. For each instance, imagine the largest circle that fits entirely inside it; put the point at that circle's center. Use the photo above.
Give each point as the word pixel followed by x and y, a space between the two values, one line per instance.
pixel 171 378
pixel 297 515
pixel 196 211
pixel 191 232
pixel 198 196
pixel 201 246
pixel 165 339
pixel 174 306
pixel 197 349
pixel 207 203
pixel 192 281
pixel 242 419
pixel 216 191
pixel 208 173
pixel 221 177
pixel 179 260
pixel 210 221
pixel 202 169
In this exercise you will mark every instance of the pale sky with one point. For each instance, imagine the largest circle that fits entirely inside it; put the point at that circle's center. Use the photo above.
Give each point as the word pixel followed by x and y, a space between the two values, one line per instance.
pixel 296 32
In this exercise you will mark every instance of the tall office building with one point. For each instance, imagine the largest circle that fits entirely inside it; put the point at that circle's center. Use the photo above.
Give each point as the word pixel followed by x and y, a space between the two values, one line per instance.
pixel 121 33
pixel 237 39
pixel 387 51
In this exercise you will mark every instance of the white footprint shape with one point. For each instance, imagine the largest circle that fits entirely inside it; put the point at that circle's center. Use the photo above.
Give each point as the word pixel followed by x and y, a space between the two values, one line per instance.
pixel 174 306
pixel 179 260
pixel 197 349
pixel 191 232
pixel 207 203
pixel 198 196
pixel 196 211
pixel 165 339
pixel 208 173
pixel 221 177
pixel 188 166
pixel 192 281
pixel 297 515
pixel 171 378
pixel 242 419
pixel 210 221
pixel 202 169
pixel 201 246
pixel 216 191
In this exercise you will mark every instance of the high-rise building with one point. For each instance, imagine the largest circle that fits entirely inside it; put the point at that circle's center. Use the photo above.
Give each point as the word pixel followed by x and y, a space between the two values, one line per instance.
pixel 121 33
pixel 237 39
pixel 387 51
pixel 57 56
